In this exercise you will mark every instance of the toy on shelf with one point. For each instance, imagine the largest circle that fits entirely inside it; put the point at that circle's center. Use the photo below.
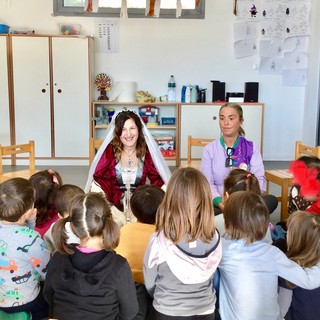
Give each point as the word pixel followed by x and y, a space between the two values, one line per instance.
pixel 101 116
pixel 150 115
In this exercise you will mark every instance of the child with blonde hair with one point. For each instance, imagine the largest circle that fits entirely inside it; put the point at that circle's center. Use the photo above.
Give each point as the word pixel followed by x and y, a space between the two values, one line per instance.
pixel 303 240
pixel 184 252
pixel 89 280
pixel 246 272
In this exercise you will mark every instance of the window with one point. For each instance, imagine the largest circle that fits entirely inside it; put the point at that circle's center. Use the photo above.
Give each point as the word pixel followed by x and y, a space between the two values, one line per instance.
pixel 136 9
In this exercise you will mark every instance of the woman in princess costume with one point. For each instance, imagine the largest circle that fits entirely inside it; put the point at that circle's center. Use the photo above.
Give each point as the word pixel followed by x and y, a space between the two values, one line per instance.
pixel 126 159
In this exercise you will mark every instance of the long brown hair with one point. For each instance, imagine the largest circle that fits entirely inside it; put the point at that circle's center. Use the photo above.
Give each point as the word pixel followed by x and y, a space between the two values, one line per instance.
pixel 303 238
pixel 46 184
pixel 239 110
pixel 246 216
pixel 90 216
pixel 187 208
pixel 120 120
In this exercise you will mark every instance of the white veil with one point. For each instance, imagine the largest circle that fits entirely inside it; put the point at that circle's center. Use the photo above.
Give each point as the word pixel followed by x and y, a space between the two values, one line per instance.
pixel 154 150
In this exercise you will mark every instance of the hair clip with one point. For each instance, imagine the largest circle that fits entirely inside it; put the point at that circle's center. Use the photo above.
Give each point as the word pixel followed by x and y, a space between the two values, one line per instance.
pixel 248 175
pixel 54 177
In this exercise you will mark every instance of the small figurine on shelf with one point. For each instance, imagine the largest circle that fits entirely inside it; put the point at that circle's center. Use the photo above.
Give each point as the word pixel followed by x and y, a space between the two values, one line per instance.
pixel 103 84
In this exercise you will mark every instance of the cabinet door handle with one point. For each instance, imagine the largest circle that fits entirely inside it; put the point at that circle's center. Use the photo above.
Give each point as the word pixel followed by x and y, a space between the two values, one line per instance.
pixel 43 90
pixel 59 90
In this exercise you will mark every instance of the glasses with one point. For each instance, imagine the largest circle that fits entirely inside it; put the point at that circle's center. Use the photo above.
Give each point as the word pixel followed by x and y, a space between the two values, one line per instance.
pixel 229 160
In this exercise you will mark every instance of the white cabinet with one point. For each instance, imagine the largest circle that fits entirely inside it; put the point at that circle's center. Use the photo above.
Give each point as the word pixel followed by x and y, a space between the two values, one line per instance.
pixel 202 121
pixel 31 90
pixel 4 94
pixel 165 110
pixel 52 93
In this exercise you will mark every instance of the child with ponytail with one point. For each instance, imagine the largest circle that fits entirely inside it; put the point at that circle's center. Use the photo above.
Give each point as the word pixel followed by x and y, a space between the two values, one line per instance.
pixel 89 281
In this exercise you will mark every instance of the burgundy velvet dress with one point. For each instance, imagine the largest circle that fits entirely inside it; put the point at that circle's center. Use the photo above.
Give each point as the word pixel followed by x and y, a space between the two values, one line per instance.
pixel 105 175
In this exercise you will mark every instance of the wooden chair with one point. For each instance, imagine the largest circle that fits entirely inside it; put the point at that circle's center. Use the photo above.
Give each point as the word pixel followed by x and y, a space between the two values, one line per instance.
pixel 12 151
pixel 283 178
pixel 94 145
pixel 195 142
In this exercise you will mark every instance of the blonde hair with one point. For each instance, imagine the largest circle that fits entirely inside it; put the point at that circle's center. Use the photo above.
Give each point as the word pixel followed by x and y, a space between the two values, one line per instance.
pixel 187 207
pixel 303 238
pixel 246 216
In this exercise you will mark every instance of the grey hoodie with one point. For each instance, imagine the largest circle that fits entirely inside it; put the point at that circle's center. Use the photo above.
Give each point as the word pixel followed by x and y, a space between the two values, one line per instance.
pixel 179 276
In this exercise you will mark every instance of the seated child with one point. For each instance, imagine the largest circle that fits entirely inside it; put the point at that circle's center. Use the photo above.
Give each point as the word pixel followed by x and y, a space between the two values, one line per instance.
pixel 63 200
pixel 296 200
pixel 303 241
pixel 238 180
pixel 247 275
pixel 89 280
pixel 134 236
pixel 184 252
pixel 46 183
pixel 24 259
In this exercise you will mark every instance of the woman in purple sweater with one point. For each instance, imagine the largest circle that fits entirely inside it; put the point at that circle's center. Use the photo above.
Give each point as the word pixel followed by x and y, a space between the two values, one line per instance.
pixel 232 150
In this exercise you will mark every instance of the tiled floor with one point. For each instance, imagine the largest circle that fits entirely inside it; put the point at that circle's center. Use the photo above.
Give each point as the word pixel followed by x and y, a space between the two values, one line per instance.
pixel 78 175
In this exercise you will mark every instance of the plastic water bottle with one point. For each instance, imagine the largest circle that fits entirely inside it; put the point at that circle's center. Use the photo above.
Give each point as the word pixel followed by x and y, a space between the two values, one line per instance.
pixel 188 94
pixel 172 89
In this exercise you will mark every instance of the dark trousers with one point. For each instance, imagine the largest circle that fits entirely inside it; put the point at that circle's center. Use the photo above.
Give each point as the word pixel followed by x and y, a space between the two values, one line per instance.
pixel 144 301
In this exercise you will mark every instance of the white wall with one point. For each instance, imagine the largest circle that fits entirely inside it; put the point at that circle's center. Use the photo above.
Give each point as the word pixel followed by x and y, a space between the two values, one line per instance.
pixel 195 51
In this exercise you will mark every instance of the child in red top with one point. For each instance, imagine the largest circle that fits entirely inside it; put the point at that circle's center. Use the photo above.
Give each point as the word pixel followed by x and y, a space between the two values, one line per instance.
pixel 46 184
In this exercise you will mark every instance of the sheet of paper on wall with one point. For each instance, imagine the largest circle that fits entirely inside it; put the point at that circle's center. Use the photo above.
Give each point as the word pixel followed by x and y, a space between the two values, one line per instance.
pixel 272 29
pixel 270 65
pixel 107 34
pixel 271 48
pixel 300 44
pixel 295 60
pixel 294 77
pixel 243 30
pixel 296 27
pixel 245 48
pixel 247 10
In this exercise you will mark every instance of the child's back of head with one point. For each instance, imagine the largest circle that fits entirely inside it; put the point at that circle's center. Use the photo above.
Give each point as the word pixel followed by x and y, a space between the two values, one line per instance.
pixel 46 184
pixel 145 202
pixel 241 180
pixel 187 207
pixel 90 217
pixel 246 216
pixel 303 238
pixel 64 197
pixel 16 198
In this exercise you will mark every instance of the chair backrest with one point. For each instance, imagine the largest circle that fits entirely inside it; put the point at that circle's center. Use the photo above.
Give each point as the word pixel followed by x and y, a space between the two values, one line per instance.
pixel 94 145
pixel 302 149
pixel 196 142
pixel 13 150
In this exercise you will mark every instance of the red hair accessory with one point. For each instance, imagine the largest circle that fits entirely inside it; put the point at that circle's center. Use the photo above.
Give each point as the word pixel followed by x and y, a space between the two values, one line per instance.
pixel 248 175
pixel 306 178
